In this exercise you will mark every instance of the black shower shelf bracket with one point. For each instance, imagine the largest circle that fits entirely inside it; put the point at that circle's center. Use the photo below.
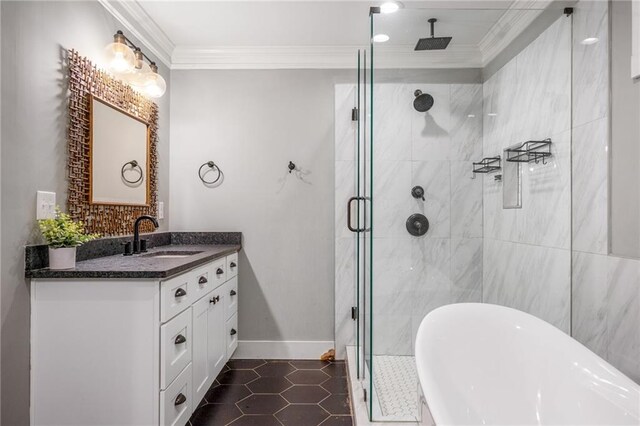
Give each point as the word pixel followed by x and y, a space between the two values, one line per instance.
pixel 487 165
pixel 529 151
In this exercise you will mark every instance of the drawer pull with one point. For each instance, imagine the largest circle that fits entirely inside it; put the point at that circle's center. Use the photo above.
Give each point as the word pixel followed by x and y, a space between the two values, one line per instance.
pixel 202 280
pixel 180 339
pixel 180 399
pixel 181 292
pixel 233 332
pixel 233 293
pixel 219 271
pixel 232 265
pixel 214 299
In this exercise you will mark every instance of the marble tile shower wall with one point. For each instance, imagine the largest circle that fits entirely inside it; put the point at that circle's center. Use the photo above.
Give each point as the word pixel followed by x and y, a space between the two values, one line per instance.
pixel 413 275
pixel 527 251
pixel 606 288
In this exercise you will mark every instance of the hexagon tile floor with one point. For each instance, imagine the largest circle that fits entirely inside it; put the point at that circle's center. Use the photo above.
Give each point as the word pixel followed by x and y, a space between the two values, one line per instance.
pixel 280 393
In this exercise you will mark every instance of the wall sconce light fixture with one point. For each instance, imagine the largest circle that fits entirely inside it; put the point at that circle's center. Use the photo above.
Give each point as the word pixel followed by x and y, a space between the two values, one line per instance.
pixel 127 62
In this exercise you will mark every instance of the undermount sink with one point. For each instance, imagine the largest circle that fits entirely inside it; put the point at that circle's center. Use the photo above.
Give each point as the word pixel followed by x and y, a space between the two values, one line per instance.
pixel 171 254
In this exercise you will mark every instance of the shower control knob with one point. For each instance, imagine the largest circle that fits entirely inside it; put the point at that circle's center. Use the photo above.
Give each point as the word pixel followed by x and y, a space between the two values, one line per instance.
pixel 417 192
pixel 417 225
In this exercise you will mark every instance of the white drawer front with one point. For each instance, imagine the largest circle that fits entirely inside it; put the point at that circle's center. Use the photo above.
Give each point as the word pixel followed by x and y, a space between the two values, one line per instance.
pixel 175 295
pixel 232 335
pixel 201 282
pixel 218 272
pixel 231 297
pixel 175 347
pixel 232 265
pixel 176 403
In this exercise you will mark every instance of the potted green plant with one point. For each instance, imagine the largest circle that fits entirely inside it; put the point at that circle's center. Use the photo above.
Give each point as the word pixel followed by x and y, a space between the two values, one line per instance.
pixel 63 235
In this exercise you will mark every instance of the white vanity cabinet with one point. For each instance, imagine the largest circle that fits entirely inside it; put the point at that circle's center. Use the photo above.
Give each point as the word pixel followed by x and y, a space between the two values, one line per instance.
pixel 130 352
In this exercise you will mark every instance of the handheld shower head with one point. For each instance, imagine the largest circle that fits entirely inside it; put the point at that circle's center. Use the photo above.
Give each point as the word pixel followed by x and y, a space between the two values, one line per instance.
pixel 433 42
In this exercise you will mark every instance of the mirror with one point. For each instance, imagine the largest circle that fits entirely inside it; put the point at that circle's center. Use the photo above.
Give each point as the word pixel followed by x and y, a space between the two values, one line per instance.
pixel 119 156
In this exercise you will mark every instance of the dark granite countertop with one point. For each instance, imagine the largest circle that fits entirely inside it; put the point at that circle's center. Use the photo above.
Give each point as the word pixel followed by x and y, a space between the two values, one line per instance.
pixel 141 266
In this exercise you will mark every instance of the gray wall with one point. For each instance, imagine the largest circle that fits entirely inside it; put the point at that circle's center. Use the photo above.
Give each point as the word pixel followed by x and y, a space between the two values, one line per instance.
pixel 625 134
pixel 34 35
pixel 252 123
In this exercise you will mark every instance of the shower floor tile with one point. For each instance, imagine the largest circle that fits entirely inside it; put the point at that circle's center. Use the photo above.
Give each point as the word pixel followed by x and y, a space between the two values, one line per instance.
pixel 396 386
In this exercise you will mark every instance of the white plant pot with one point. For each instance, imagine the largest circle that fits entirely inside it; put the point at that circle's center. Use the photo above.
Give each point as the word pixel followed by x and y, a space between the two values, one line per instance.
pixel 62 258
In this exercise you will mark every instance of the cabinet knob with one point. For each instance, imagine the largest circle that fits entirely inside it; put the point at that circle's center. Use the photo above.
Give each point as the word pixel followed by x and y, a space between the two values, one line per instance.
pixel 180 339
pixel 202 280
pixel 232 265
pixel 214 299
pixel 219 271
pixel 181 292
pixel 233 293
pixel 180 399
pixel 233 332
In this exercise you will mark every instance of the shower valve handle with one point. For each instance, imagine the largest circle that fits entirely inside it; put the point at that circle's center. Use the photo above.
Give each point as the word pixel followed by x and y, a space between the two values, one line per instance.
pixel 418 192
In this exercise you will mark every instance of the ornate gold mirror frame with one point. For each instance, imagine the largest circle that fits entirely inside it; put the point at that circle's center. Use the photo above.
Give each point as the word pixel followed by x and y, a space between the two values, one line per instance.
pixel 85 81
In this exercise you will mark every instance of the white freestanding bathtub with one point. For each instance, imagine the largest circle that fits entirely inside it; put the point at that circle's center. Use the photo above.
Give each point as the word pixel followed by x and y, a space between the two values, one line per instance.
pixel 482 364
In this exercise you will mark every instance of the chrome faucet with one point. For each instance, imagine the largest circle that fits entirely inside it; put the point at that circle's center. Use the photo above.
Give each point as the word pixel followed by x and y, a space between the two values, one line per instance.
pixel 136 232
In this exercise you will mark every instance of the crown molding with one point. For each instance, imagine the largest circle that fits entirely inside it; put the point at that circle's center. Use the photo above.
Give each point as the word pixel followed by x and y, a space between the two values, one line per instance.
pixel 519 15
pixel 141 26
pixel 320 57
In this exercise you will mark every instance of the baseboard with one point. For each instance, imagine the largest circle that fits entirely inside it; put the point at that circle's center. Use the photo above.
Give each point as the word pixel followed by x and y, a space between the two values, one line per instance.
pixel 286 349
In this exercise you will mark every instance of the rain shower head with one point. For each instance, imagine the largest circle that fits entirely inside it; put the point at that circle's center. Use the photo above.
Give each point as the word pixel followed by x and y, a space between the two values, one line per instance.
pixel 433 42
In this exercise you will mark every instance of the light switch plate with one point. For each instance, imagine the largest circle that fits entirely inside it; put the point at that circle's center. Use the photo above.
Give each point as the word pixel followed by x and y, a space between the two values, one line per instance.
pixel 45 205
pixel 161 210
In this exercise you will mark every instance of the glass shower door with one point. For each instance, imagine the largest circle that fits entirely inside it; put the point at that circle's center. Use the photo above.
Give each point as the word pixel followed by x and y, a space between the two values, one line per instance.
pixel 357 218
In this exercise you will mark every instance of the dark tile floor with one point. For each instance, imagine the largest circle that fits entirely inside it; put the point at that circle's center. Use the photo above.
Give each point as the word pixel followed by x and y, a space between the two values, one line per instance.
pixel 274 392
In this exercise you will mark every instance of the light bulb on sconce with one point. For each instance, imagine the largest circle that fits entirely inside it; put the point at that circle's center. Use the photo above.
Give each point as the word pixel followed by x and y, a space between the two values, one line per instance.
pixel 138 77
pixel 120 57
pixel 127 62
pixel 156 85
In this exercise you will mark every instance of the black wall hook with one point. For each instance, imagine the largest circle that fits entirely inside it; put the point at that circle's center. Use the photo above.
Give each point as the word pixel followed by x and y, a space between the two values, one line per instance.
pixel 291 166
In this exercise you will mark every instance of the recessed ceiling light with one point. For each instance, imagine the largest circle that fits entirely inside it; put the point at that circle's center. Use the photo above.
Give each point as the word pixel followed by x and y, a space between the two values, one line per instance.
pixel 471 116
pixel 380 38
pixel 389 7
pixel 492 114
pixel 590 40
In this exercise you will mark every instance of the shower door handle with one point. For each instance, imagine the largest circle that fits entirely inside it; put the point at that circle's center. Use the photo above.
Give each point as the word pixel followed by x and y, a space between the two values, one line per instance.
pixel 349 203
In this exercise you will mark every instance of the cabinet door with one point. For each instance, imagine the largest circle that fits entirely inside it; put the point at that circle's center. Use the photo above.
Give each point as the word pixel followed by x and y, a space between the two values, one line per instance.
pixel 231 297
pixel 216 331
pixel 231 331
pixel 202 376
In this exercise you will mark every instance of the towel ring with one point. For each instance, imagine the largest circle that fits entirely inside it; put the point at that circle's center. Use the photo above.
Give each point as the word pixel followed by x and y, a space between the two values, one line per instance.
pixel 134 164
pixel 212 166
